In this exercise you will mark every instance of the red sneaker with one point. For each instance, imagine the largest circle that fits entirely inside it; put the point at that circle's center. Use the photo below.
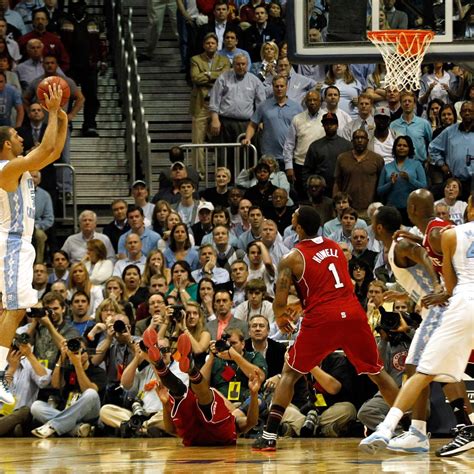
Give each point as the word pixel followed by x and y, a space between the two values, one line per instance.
pixel 184 349
pixel 150 339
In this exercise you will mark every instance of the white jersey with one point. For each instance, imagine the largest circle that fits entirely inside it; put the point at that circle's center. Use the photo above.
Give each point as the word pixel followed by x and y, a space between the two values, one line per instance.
pixel 463 258
pixel 17 255
pixel 17 209
pixel 414 280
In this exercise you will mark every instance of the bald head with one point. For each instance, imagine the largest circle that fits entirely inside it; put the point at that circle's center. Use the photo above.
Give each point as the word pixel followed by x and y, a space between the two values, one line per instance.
pixel 420 206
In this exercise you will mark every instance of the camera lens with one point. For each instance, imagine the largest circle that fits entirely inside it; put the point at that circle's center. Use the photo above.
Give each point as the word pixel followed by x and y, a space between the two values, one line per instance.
pixel 74 345
pixel 120 327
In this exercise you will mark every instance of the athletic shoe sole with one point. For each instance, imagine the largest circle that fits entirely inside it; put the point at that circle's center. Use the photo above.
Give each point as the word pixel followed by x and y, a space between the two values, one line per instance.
pixel 150 339
pixel 268 449
pixel 408 450
pixel 184 348
pixel 374 446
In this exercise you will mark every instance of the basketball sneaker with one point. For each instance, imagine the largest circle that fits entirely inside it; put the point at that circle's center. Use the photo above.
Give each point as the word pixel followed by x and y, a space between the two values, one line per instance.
pixel 264 445
pixel 411 441
pixel 6 396
pixel 463 441
pixel 377 440
pixel 184 349
pixel 150 339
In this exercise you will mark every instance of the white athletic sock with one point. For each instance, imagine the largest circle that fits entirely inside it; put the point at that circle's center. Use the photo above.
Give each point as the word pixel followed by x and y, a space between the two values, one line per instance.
pixel 471 417
pixel 3 358
pixel 419 425
pixel 392 419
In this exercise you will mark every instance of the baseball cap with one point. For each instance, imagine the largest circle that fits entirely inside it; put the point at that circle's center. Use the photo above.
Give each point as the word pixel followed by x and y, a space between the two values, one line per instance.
pixel 205 205
pixel 180 163
pixel 330 117
pixel 382 111
pixel 139 182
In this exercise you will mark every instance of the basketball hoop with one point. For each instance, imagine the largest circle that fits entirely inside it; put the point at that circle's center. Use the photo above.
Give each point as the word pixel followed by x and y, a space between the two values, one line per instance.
pixel 402 52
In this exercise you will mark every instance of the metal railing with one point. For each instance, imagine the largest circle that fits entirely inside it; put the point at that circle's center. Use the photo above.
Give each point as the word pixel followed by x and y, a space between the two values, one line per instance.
pixel 65 219
pixel 241 156
pixel 124 78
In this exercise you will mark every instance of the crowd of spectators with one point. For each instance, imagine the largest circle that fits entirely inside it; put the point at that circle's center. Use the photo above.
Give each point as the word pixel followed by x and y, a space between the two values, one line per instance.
pixel 204 261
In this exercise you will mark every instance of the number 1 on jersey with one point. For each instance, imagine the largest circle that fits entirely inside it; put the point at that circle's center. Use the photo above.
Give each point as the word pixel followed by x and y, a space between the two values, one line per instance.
pixel 332 269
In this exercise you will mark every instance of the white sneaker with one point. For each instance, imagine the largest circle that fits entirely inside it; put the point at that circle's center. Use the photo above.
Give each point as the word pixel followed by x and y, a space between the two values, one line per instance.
pixel 411 441
pixel 82 431
pixel 6 396
pixel 378 439
pixel 45 431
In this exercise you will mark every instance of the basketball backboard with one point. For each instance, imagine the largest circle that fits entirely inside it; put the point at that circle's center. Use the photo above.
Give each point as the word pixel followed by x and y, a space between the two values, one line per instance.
pixel 344 29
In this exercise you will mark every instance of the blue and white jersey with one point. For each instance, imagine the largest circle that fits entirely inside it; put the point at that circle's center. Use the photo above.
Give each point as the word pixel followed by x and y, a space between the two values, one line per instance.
pixel 414 280
pixel 463 258
pixel 17 208
pixel 17 255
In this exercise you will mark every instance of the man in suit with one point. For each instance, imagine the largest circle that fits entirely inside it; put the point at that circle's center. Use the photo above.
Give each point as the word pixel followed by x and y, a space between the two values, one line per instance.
pixel 205 69
pixel 259 33
pixel 32 132
pixel 224 319
pixel 219 25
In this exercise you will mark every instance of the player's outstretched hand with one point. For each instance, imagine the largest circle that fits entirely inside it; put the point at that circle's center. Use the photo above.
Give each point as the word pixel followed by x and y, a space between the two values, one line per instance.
pixel 162 392
pixel 435 299
pixel 255 382
pixel 52 100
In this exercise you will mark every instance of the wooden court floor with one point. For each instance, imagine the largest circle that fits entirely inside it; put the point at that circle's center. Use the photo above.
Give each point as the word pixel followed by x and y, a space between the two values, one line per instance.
pixel 111 455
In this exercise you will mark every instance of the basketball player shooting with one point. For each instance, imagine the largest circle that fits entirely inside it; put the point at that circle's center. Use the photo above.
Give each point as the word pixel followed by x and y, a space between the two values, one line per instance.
pixel 17 218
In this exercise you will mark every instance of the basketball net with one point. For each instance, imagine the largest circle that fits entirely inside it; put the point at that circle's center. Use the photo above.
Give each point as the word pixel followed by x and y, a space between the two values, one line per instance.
pixel 403 52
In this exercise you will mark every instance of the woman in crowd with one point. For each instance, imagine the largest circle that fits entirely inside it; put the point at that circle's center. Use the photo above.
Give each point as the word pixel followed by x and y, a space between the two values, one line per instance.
pixel 205 297
pixel 457 208
pixel 98 266
pixel 255 292
pixel 267 66
pixel 183 287
pixel 105 311
pixel 438 84
pixel 362 275
pixel 219 194
pixel 134 293
pixel 155 265
pixel 160 214
pixel 375 88
pixel 180 248
pixel 79 280
pixel 447 117
pixel 194 325
pixel 172 219
pixel 339 75
pixel 275 16
pixel 402 176
pixel 432 113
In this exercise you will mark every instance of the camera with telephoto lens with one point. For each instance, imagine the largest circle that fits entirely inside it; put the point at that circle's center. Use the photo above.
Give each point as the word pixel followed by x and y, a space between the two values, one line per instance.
pixel 74 344
pixel 19 339
pixel 178 313
pixel 222 344
pixel 390 322
pixel 120 327
pixel 130 428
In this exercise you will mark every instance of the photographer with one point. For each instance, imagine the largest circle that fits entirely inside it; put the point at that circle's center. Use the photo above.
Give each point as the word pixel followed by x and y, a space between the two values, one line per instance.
pixel 396 332
pixel 49 332
pixel 78 383
pixel 116 351
pixel 146 409
pixel 26 376
pixel 229 366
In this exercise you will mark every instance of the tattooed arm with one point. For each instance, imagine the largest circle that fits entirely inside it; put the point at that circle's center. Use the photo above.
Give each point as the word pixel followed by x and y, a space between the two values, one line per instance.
pixel 290 266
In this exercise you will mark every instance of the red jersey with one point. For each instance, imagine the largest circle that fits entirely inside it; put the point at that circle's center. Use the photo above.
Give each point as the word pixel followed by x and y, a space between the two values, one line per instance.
pixel 325 280
pixel 436 258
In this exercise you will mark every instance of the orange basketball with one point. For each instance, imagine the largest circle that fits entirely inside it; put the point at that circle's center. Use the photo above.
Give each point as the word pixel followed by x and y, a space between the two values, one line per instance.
pixel 43 88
